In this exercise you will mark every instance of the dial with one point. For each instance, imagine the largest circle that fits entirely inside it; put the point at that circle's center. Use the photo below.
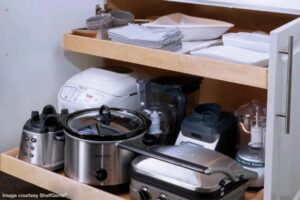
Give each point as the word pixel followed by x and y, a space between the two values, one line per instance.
pixel 101 174
pixel 144 194
pixel 162 197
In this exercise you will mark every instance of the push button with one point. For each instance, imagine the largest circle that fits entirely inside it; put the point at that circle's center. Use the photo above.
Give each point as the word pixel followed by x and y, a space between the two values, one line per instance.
pixel 33 140
pixel 26 138
pixel 32 148
pixel 26 146
pixel 31 155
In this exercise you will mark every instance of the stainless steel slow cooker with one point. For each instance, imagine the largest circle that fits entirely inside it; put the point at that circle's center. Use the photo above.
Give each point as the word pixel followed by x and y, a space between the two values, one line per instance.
pixel 91 152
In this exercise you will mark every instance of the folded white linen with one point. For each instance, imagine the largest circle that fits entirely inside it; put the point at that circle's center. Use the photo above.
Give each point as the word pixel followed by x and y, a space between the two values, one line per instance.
pixel 137 32
pixel 166 38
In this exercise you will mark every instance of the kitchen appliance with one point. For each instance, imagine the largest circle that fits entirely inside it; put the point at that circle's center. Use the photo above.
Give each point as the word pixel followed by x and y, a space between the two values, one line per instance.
pixel 211 127
pixel 163 117
pixel 42 141
pixel 91 153
pixel 113 86
pixel 185 172
pixel 252 130
pixel 173 92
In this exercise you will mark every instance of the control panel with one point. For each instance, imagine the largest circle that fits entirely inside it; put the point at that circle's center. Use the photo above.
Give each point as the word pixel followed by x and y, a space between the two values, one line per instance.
pixel 29 146
pixel 88 97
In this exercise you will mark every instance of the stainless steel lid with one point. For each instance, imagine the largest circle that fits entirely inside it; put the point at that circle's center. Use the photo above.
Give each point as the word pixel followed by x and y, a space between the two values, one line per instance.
pixel 105 124
pixel 183 177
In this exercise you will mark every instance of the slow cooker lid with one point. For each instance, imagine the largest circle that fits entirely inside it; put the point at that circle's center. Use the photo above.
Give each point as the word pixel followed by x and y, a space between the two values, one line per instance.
pixel 106 124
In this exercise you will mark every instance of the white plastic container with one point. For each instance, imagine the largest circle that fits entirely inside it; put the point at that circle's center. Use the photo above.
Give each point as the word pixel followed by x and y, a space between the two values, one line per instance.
pixel 251 41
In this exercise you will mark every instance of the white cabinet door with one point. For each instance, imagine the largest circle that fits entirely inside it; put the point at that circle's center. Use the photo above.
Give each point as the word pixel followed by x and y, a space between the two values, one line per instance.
pixel 282 178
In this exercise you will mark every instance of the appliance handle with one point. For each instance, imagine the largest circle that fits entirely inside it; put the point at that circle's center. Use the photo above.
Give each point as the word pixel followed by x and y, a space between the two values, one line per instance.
pixel 144 150
pixel 287 114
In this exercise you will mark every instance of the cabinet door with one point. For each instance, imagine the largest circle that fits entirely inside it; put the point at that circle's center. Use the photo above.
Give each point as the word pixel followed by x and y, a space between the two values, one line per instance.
pixel 282 177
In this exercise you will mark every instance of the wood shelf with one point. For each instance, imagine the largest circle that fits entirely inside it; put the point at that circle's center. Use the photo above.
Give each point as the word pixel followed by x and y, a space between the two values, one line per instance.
pixel 188 64
pixel 52 181
pixel 57 182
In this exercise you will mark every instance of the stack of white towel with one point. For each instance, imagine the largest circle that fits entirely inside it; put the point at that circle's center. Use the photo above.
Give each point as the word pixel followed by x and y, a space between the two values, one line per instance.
pixel 166 39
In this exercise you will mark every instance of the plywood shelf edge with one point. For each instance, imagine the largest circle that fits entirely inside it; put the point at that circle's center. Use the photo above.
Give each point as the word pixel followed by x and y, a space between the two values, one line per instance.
pixel 187 64
pixel 49 180
pixel 60 184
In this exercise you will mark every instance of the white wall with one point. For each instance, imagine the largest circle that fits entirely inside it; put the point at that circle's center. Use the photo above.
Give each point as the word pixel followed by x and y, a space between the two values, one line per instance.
pixel 33 65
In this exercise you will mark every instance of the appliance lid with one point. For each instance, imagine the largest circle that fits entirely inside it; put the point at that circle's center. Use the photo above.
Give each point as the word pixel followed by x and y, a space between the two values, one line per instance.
pixel 186 178
pixel 115 81
pixel 208 112
pixel 106 124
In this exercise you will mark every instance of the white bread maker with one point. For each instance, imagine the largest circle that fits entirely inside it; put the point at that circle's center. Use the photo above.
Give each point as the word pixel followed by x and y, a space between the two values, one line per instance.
pixel 112 86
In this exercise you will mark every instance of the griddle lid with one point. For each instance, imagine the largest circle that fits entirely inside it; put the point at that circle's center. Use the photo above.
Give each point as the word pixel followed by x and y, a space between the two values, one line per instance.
pixel 195 168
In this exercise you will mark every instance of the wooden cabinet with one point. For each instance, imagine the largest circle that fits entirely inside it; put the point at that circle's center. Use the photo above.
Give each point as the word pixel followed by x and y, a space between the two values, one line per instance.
pixel 283 138
pixel 282 177
pixel 226 83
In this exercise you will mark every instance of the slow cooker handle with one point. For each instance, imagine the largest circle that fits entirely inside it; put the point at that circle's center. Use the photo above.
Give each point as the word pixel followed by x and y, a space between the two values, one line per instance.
pixel 142 149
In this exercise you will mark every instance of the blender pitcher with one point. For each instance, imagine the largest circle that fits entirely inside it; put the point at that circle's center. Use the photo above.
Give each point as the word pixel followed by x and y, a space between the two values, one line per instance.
pixel 161 114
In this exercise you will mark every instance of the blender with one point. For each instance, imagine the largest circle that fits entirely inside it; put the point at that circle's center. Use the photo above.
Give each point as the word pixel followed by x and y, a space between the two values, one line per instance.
pixel 252 129
pixel 161 114
pixel 164 100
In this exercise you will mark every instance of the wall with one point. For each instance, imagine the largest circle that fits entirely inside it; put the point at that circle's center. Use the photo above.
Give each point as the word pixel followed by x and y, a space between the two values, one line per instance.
pixel 33 65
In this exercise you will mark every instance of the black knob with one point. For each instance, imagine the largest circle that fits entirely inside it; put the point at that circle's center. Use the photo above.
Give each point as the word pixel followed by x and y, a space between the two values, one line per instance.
pixel 144 194
pixel 35 117
pixel 101 174
pixel 51 121
pixel 162 197
pixel 104 115
pixel 48 109
pixel 222 183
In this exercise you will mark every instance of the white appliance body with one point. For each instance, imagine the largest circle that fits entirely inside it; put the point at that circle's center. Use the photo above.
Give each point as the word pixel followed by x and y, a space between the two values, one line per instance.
pixel 94 87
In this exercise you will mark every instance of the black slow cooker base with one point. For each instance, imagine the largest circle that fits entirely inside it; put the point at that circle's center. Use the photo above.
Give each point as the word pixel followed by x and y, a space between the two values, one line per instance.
pixel 115 189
